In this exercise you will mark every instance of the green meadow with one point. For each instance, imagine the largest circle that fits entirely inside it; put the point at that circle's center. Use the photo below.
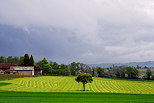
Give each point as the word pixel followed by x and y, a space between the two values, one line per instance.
pixel 57 89
pixel 68 97
pixel 68 84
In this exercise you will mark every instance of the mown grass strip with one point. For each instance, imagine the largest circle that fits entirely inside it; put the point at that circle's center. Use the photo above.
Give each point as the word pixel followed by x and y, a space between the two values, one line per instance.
pixel 66 97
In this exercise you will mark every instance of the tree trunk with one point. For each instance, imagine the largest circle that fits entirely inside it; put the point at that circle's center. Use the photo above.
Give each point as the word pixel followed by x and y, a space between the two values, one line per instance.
pixel 83 87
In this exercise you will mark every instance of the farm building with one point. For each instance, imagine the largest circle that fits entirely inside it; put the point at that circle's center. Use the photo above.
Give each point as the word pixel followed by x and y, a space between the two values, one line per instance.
pixel 5 68
pixel 21 70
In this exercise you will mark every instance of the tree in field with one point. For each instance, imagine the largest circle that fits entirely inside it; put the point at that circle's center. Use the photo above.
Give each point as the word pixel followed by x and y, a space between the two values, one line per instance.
pixel 148 74
pixel 26 60
pixel 84 78
pixel 31 61
pixel 100 71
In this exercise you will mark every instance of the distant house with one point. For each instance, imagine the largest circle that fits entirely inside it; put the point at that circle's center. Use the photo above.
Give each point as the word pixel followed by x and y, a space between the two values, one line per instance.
pixel 21 70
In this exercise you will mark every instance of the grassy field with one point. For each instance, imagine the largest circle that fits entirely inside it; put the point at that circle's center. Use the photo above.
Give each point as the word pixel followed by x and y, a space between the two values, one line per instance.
pixel 52 97
pixel 68 84
pixel 54 89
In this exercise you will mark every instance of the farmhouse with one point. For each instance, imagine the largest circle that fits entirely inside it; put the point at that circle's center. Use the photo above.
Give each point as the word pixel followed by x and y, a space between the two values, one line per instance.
pixel 21 70
pixel 5 68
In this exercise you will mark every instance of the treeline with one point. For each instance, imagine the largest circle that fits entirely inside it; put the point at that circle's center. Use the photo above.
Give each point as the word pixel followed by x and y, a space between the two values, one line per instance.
pixel 25 60
pixel 74 68
pixel 53 68
pixel 118 72
pixel 9 60
pixel 124 71
pixel 50 68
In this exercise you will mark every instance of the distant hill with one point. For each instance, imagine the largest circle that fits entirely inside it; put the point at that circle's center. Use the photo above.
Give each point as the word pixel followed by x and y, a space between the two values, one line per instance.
pixel 142 64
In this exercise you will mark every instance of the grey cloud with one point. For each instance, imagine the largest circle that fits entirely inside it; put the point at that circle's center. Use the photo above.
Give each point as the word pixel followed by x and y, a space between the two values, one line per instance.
pixel 90 31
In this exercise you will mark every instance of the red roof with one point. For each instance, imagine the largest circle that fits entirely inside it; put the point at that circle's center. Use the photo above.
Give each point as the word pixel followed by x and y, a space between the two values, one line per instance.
pixel 6 66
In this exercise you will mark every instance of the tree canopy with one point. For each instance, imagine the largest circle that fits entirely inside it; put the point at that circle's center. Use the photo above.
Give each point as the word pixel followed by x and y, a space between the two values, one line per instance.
pixel 26 60
pixel 31 61
pixel 84 78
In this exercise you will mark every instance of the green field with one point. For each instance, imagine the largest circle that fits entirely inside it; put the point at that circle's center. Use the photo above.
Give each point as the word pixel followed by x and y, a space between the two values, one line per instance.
pixel 68 84
pixel 45 89
pixel 52 97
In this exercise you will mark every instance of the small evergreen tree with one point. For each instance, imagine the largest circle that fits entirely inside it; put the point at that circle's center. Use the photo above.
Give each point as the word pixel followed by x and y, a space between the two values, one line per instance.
pixel 31 61
pixel 26 60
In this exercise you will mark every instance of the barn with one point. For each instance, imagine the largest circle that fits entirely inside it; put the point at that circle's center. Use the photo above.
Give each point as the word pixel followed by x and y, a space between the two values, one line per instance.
pixel 22 70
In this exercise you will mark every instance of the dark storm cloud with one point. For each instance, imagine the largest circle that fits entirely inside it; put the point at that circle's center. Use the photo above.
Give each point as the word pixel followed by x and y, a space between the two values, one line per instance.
pixel 90 31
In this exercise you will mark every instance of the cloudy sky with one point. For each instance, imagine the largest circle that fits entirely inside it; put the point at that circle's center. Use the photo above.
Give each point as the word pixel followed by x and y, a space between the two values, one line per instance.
pixel 88 31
